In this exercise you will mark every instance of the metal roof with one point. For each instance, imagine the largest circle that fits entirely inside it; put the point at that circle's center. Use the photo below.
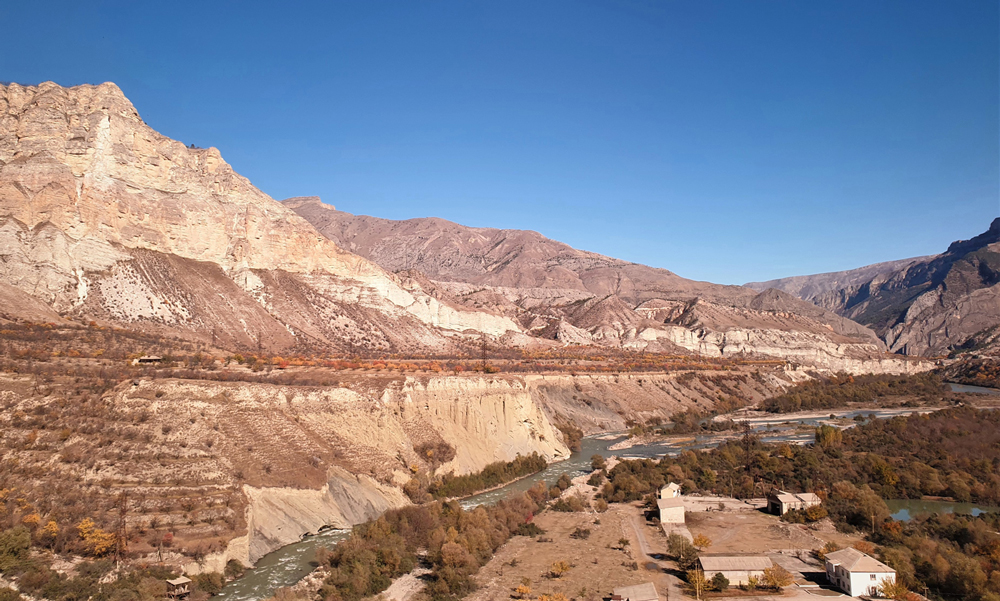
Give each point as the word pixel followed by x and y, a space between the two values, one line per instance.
pixel 788 497
pixel 639 592
pixel 670 502
pixel 734 563
pixel 853 560
pixel 179 581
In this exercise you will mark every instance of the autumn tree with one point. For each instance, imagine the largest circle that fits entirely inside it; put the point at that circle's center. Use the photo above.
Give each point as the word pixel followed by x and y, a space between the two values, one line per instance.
pixel 777 577
pixel 559 569
pixel 696 580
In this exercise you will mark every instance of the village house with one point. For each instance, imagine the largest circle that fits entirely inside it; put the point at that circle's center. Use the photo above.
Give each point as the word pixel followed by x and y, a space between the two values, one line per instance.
pixel 671 510
pixel 670 491
pixel 857 573
pixel 736 568
pixel 639 592
pixel 780 501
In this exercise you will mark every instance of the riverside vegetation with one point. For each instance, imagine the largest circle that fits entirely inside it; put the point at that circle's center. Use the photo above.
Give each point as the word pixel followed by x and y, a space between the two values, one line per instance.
pixel 452 542
pixel 843 390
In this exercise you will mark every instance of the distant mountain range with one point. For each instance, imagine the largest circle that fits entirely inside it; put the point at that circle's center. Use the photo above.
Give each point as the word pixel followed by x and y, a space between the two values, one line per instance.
pixel 923 306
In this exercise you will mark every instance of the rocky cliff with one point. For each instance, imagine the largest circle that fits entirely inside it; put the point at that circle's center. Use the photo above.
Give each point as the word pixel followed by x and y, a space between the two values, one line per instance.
pixel 101 216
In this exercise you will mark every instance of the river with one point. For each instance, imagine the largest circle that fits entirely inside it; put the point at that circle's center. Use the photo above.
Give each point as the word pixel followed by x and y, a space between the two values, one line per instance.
pixel 972 389
pixel 903 510
pixel 289 564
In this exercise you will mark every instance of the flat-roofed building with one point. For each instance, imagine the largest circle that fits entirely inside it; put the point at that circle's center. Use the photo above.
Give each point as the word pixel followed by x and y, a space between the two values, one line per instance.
pixel 736 568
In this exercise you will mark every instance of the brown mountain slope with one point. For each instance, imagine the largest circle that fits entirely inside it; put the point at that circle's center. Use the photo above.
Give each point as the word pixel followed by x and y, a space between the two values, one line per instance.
pixel 102 216
pixel 933 305
pixel 451 252
pixel 808 287
pixel 943 304
pixel 578 297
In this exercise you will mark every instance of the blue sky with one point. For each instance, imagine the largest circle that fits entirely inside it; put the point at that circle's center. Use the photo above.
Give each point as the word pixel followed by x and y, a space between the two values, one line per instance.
pixel 726 141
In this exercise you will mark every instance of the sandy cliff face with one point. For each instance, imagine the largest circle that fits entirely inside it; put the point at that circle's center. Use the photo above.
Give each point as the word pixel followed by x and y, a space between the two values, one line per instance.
pixel 305 458
pixel 88 192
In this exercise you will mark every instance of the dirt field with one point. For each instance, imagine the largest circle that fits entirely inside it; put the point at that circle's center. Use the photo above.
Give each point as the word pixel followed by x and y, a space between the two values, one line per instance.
pixel 596 568
pixel 758 532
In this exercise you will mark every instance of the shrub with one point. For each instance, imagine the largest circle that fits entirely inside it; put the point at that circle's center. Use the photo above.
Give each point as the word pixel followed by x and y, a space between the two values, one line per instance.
pixel 9 594
pixel 558 569
pixel 210 582
pixel 234 569
pixel 719 582
pixel 14 545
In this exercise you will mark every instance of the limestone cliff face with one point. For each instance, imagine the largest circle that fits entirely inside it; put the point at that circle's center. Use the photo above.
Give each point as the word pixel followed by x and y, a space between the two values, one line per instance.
pixel 606 402
pixel 88 192
pixel 83 160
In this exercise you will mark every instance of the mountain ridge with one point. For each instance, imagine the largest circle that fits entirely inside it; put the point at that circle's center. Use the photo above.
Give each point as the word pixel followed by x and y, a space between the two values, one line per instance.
pixel 931 305
pixel 578 297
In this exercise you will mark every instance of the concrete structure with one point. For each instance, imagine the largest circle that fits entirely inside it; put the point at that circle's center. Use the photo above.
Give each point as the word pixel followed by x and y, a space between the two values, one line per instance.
pixel 146 359
pixel 736 568
pixel 178 588
pixel 671 510
pixel 670 491
pixel 639 592
pixel 856 573
pixel 779 501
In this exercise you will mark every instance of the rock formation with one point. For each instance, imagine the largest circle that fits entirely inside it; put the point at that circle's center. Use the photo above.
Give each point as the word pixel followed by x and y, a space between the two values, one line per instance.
pixel 559 293
pixel 101 216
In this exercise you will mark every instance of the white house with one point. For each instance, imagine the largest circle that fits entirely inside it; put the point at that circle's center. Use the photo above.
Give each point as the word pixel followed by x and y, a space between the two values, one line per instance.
pixel 779 501
pixel 856 573
pixel 671 510
pixel 736 568
pixel 670 491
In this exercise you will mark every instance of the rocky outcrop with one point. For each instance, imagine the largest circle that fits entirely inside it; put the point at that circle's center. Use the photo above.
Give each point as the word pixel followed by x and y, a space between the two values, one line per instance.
pixel 608 402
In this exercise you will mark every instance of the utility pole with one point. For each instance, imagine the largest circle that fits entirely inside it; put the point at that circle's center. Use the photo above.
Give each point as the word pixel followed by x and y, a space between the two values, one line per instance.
pixel 485 359
pixel 747 445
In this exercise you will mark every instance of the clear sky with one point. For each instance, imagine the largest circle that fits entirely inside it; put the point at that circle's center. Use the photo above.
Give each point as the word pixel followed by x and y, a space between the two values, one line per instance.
pixel 726 141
